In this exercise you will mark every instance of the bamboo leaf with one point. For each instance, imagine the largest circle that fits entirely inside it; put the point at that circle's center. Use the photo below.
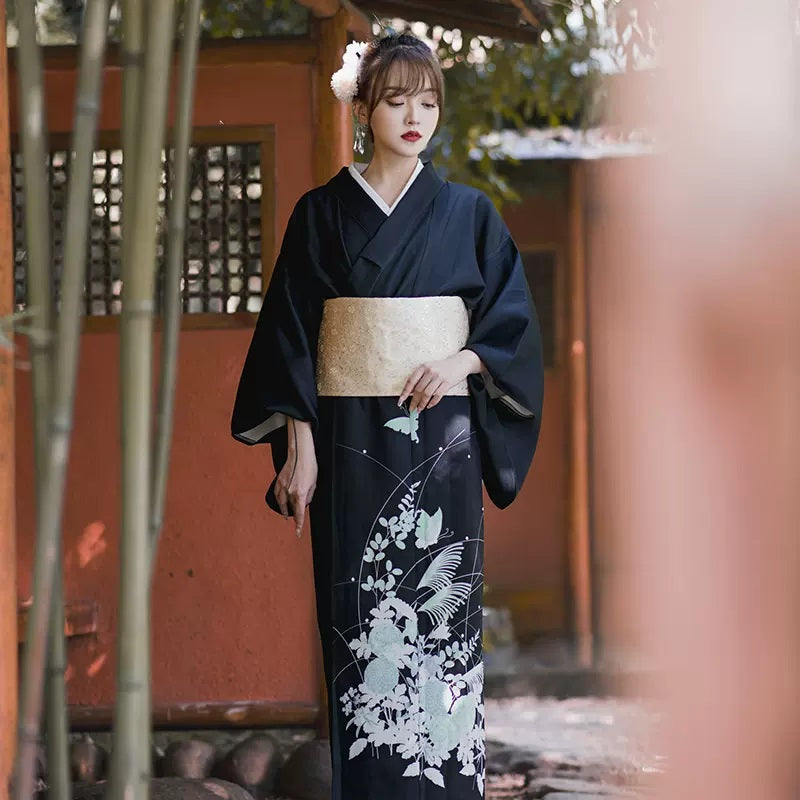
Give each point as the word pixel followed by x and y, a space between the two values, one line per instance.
pixel 444 603
pixel 442 569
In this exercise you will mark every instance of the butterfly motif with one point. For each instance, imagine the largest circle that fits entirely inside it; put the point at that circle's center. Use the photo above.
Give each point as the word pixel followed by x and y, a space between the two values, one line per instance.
pixel 408 425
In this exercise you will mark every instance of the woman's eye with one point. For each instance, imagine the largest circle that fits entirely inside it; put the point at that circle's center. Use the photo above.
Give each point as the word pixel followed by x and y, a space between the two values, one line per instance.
pixel 394 105
pixel 430 105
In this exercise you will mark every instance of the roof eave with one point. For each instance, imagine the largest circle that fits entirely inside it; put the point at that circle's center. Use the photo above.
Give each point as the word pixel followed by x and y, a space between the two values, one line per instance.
pixel 479 16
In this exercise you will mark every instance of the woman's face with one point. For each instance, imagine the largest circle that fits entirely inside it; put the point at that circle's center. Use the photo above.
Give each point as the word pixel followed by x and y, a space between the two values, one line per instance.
pixel 403 125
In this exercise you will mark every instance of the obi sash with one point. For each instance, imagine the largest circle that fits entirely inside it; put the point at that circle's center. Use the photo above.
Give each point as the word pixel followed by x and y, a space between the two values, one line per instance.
pixel 369 346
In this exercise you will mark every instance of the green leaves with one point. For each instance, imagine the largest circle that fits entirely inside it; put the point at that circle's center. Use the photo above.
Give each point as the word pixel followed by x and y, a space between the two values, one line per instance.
pixel 494 84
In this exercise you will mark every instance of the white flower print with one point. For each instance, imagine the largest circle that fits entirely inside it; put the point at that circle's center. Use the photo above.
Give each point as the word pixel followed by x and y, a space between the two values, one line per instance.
pixel 421 692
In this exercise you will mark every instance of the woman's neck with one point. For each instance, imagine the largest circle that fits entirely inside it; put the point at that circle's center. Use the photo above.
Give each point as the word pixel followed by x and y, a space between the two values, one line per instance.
pixel 388 175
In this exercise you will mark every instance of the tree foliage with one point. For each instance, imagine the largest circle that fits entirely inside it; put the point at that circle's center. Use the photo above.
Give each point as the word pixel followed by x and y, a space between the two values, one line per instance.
pixel 492 84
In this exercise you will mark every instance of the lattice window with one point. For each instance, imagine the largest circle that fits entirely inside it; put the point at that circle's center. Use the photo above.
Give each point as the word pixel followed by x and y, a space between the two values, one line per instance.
pixel 540 270
pixel 222 269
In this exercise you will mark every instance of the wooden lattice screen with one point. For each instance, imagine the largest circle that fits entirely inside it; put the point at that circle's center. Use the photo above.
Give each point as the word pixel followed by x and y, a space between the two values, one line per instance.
pixel 228 224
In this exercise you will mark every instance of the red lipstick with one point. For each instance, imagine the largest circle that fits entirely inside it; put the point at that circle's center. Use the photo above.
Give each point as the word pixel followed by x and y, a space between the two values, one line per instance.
pixel 412 136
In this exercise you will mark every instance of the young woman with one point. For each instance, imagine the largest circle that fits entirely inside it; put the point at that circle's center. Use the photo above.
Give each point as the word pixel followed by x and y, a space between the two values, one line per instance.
pixel 395 365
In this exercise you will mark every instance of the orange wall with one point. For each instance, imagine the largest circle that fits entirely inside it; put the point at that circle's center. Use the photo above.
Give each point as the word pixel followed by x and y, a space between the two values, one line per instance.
pixel 225 566
pixel 526 544
pixel 233 596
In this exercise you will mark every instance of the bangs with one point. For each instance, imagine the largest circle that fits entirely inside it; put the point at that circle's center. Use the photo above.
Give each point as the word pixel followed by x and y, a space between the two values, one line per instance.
pixel 406 71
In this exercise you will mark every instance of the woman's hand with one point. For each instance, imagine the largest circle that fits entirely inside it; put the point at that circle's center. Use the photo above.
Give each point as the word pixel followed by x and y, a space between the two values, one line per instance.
pixel 298 479
pixel 429 382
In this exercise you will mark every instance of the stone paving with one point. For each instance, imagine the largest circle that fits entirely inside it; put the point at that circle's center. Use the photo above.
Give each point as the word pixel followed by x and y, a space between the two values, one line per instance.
pixel 580 748
pixel 585 748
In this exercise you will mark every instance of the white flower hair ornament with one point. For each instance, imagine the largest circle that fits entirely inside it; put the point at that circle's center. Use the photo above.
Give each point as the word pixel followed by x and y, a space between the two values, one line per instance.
pixel 344 82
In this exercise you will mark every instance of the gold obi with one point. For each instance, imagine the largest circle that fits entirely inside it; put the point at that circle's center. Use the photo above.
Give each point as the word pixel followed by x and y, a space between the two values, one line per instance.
pixel 369 346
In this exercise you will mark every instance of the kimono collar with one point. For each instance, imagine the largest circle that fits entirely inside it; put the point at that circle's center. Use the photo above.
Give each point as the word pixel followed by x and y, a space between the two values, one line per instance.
pixel 357 204
pixel 357 170
pixel 386 237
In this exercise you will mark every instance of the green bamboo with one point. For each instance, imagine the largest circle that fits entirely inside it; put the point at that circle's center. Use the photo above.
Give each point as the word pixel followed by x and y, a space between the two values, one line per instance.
pixel 37 216
pixel 133 31
pixel 130 769
pixel 40 307
pixel 133 15
pixel 62 390
pixel 173 272
pixel 58 770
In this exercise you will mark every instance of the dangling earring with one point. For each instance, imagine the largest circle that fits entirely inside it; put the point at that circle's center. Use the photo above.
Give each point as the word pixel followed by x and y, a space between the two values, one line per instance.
pixel 360 136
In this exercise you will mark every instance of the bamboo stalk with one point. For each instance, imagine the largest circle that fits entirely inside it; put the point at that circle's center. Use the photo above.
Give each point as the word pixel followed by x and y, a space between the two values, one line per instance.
pixel 133 30
pixel 9 679
pixel 132 59
pixel 173 272
pixel 131 763
pixel 133 12
pixel 172 282
pixel 58 771
pixel 67 346
pixel 37 216
pixel 40 310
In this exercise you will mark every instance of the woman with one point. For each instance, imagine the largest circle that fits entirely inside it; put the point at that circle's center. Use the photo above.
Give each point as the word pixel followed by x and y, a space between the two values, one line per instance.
pixel 395 364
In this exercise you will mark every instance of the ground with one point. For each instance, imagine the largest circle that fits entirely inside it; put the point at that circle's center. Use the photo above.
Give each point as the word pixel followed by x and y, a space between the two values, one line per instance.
pixel 574 749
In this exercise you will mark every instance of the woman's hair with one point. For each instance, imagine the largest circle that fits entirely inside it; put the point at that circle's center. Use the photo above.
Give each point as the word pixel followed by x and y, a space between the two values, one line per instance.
pixel 418 69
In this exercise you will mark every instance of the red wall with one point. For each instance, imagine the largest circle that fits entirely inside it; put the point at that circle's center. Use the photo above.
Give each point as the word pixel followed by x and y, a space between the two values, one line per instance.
pixel 526 556
pixel 225 567
pixel 233 597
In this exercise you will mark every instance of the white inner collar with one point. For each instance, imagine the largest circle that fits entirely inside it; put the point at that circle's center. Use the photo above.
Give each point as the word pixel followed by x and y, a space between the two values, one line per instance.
pixel 357 168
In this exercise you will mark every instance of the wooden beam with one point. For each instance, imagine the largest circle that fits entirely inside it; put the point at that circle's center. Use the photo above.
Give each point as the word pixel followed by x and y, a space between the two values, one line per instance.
pixel 8 554
pixel 183 716
pixel 358 23
pixel 332 129
pixel 322 8
pixel 218 53
pixel 526 12
pixel 580 565
pixel 490 19
pixel 332 149
pixel 476 11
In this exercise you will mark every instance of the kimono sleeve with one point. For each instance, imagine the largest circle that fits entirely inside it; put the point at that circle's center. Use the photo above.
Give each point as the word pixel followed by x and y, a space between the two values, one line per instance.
pixel 278 377
pixel 507 399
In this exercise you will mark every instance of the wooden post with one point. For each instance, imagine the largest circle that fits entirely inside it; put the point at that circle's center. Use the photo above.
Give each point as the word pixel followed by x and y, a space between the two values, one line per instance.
pixel 332 137
pixel 8 557
pixel 578 493
pixel 332 129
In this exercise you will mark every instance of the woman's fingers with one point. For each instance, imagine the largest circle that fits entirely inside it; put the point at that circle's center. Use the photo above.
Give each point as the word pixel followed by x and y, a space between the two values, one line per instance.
pixel 411 383
pixel 299 515
pixel 427 391
pixel 283 500
pixel 437 395
pixel 300 500
pixel 423 391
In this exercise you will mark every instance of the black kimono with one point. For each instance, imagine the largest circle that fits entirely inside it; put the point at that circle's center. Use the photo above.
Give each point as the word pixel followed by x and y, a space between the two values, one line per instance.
pixel 397 516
